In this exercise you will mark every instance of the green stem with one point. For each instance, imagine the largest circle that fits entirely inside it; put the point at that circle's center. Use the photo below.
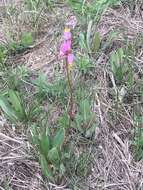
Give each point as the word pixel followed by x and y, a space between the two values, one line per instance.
pixel 70 91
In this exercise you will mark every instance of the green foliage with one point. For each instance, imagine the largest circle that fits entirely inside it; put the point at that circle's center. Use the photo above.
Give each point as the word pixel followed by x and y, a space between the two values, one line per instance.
pixel 129 59
pixel 13 107
pixel 84 118
pixel 88 46
pixel 58 90
pixel 26 40
pixel 53 156
pixel 59 138
pixel 84 64
pixel 82 163
pixel 122 61
pixel 13 78
pixel 7 109
pixel 53 143
pixel 118 66
pixel 3 55
pixel 88 42
pixel 44 144
pixel 50 148
pixel 138 139
pixel 16 109
pixel 83 42
pixel 79 166
pixel 96 42
pixel 85 110
pixel 64 120
pixel 32 4
pixel 13 47
pixel 45 167
pixel 91 10
pixel 36 4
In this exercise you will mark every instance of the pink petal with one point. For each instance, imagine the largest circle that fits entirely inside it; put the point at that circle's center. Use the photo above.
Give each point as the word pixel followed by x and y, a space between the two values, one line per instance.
pixel 67 35
pixel 70 58
pixel 61 54
pixel 72 22
pixel 65 47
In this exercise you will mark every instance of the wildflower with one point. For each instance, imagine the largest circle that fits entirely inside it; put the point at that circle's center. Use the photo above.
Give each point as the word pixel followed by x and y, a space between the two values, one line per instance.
pixel 66 48
pixel 72 22
pixel 70 58
pixel 67 34
pixel 66 53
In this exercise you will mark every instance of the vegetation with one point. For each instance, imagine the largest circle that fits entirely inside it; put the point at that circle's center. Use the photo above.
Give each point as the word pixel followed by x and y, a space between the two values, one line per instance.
pixel 71 110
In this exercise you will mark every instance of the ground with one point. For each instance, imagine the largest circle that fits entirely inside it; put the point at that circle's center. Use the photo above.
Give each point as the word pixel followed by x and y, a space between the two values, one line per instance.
pixel 110 161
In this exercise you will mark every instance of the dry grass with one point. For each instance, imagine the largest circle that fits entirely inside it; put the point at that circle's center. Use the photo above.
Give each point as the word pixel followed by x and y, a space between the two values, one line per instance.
pixel 113 163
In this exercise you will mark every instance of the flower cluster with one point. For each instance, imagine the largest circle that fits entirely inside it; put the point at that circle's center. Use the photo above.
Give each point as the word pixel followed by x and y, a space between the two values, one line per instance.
pixel 66 47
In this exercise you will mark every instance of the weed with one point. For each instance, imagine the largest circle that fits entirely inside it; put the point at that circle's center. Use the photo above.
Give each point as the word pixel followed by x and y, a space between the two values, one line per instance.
pixel 84 64
pixel 13 107
pixel 3 56
pixel 26 40
pixel 93 10
pixel 117 65
pixel 64 147
pixel 16 109
pixel 64 120
pixel 36 8
pixel 84 118
pixel 13 79
pixel 68 56
pixel 51 152
pixel 138 139
pixel 54 92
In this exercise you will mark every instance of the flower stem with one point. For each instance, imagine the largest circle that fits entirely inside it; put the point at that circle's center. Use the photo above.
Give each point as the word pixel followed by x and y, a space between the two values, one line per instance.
pixel 71 115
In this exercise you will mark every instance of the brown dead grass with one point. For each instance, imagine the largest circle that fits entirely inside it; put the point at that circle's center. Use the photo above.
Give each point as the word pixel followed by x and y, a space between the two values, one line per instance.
pixel 113 166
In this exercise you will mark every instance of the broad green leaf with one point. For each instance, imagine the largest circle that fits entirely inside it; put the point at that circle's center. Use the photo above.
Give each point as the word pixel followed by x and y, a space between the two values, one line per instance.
pixel 16 102
pixel 85 110
pixel 96 42
pixel 82 41
pixel 44 144
pixel 34 134
pixel 84 64
pixel 117 65
pixel 119 74
pixel 88 35
pixel 120 54
pixel 78 120
pixel 26 39
pixel 59 138
pixel 5 106
pixel 53 156
pixel 64 121
pixel 45 168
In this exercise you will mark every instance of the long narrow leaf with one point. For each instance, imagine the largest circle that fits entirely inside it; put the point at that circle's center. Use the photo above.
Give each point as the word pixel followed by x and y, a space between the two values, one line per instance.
pixel 17 104
pixel 7 109
pixel 59 138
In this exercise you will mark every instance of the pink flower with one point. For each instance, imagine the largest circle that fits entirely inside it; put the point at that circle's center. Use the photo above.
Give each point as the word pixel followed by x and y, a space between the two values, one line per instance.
pixel 65 48
pixel 70 58
pixel 72 22
pixel 67 34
